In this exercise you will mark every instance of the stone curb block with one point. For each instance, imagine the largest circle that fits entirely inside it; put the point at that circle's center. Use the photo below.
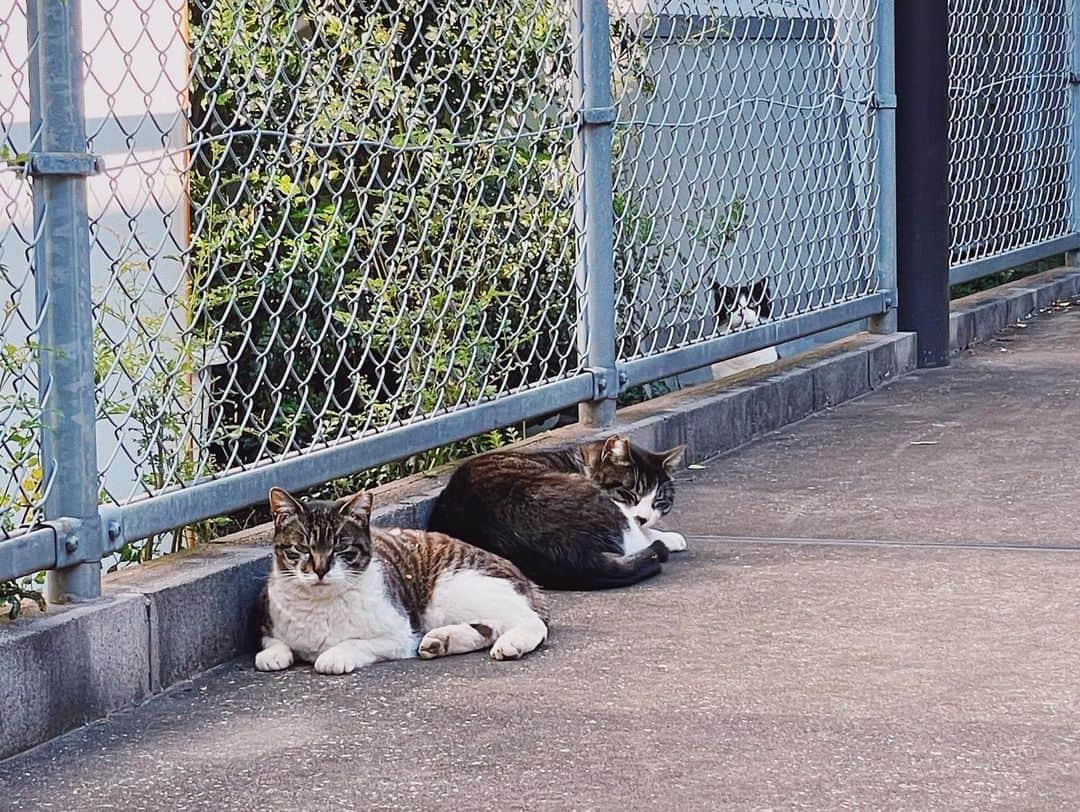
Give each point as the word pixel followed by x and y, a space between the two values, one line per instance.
pixel 173 618
pixel 978 317
pixel 847 377
pixel 199 607
pixel 891 359
pixel 70 667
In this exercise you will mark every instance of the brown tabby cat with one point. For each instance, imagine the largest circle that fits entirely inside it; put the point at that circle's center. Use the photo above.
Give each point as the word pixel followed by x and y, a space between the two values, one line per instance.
pixel 343 595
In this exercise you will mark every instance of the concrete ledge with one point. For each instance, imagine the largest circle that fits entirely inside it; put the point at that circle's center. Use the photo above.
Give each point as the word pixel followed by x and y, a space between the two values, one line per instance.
pixel 170 619
pixel 891 359
pixel 978 317
pixel 71 666
pixel 199 604
pixel 846 377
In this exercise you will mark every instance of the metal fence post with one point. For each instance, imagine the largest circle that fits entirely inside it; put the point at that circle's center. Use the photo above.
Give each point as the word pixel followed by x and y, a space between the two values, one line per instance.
pixel 885 120
pixel 593 207
pixel 59 165
pixel 922 189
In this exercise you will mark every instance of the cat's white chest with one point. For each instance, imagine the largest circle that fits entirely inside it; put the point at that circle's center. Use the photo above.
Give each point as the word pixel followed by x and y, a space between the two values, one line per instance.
pixel 310 620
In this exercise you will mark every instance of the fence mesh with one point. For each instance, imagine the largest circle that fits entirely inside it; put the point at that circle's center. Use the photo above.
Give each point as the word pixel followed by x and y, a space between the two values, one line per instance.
pixel 1011 125
pixel 745 167
pixel 321 219
pixel 21 486
pixel 373 223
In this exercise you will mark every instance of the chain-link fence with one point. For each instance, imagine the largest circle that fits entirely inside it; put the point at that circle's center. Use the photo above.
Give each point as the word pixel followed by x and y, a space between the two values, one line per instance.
pixel 745 165
pixel 1012 133
pixel 372 225
pixel 326 236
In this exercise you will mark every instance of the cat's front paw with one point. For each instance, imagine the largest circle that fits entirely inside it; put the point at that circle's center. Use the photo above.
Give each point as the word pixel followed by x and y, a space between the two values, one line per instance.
pixel 338 660
pixel 675 542
pixel 507 648
pixel 343 659
pixel 519 641
pixel 274 658
pixel 435 644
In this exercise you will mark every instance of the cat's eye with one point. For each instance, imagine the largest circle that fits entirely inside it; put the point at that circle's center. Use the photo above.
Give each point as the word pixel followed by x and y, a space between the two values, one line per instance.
pixel 302 549
pixel 291 553
pixel 623 495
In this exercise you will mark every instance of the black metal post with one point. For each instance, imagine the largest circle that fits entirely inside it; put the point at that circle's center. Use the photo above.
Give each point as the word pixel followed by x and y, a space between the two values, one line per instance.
pixel 922 176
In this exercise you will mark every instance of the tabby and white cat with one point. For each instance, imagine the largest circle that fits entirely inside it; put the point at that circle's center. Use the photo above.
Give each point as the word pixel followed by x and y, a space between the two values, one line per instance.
pixel 343 595
pixel 739 307
pixel 578 518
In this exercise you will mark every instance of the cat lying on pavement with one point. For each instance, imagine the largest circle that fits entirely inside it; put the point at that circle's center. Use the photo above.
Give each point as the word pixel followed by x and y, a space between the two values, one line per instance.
pixel 343 595
pixel 576 518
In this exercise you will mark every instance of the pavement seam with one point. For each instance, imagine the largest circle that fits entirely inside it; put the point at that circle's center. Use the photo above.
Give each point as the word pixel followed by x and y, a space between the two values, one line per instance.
pixel 925 545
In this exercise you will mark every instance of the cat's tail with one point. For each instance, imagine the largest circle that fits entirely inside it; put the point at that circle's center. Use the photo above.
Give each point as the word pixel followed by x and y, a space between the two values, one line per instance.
pixel 610 571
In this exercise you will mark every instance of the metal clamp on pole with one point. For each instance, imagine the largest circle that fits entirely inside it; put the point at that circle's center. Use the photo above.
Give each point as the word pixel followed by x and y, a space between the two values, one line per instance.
pixel 883 100
pixel 61 265
pixel 593 206
pixel 599 116
pixel 67 538
pixel 65 164
pixel 112 528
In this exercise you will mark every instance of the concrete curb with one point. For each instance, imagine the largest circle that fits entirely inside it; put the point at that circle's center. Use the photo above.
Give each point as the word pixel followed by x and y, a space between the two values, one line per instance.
pixel 72 666
pixel 978 317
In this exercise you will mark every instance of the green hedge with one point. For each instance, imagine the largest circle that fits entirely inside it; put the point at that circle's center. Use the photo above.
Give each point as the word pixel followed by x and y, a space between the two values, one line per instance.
pixel 363 267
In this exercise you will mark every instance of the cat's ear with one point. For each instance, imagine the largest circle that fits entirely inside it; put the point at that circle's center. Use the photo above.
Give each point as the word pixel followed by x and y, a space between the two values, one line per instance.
pixel 616 450
pixel 284 506
pixel 357 506
pixel 672 458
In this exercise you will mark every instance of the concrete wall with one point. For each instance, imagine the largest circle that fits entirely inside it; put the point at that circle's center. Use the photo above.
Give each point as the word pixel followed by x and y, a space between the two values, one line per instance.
pixel 773 115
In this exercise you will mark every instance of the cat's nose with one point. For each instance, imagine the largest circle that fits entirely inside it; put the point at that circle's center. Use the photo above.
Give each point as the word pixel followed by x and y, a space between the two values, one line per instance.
pixel 642 520
pixel 321 568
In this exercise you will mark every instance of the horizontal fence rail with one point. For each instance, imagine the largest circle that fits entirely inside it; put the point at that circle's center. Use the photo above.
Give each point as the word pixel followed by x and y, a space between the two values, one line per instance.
pixel 348 240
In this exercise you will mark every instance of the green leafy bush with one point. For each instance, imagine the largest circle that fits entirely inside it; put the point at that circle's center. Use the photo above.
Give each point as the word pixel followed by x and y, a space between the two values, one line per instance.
pixel 398 250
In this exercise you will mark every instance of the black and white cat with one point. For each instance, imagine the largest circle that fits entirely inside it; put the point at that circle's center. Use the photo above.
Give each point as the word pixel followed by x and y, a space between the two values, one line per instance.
pixel 577 518
pixel 739 307
pixel 342 595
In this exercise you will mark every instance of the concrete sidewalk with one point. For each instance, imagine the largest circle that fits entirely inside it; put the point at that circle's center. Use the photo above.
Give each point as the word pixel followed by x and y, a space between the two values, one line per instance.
pixel 898 627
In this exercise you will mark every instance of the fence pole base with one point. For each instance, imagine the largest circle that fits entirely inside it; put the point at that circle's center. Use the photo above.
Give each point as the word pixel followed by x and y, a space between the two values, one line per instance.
pixel 597 413
pixel 79 583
